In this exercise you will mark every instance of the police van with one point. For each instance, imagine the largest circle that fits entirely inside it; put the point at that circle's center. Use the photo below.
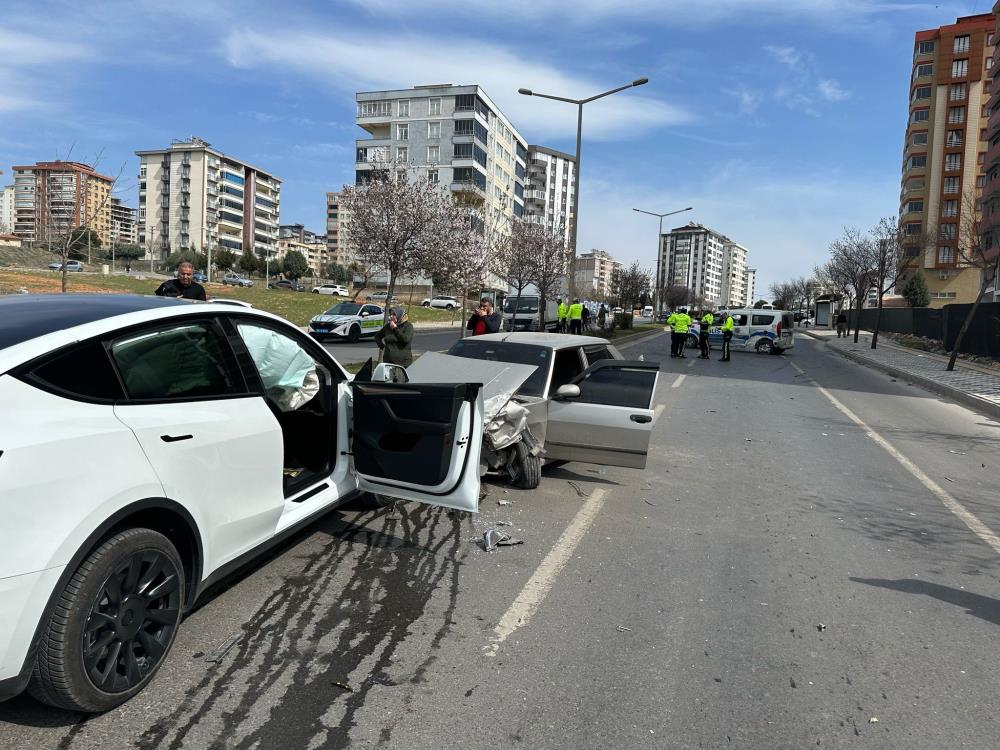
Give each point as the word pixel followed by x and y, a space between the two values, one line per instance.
pixel 347 321
pixel 758 330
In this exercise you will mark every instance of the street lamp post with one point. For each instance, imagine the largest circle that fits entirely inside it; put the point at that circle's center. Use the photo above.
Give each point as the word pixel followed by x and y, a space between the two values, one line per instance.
pixel 659 236
pixel 571 266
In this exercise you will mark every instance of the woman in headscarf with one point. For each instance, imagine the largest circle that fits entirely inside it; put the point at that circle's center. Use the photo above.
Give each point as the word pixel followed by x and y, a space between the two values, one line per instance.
pixel 394 338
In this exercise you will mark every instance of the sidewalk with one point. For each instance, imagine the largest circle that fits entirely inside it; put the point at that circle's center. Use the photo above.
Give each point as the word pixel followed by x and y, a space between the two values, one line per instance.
pixel 973 385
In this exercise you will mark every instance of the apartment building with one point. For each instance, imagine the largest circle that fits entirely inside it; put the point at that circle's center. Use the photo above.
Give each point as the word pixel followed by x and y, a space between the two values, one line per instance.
pixel 751 287
pixel 692 256
pixel 194 196
pixel 549 189
pixel 52 198
pixel 123 223
pixel 298 232
pixel 991 191
pixel 7 209
pixel 314 251
pixel 594 272
pixel 452 135
pixel 734 274
pixel 945 151
pixel 338 244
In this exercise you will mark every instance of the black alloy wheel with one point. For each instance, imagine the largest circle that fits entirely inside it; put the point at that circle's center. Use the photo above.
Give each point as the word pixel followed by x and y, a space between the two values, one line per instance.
pixel 354 334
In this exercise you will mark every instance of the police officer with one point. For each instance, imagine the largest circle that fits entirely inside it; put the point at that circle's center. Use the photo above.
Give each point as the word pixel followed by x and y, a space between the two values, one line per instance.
pixel 576 317
pixel 563 311
pixel 706 323
pixel 682 322
pixel 727 335
pixel 672 322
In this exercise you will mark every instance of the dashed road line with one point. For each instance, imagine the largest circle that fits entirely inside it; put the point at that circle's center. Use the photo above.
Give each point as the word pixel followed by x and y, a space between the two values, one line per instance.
pixel 677 383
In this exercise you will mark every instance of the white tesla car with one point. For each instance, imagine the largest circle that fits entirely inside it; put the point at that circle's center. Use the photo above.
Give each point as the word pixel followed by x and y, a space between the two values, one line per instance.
pixel 150 446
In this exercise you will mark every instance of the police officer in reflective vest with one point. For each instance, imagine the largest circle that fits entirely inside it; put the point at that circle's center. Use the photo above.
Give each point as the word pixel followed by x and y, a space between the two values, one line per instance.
pixel 576 317
pixel 563 311
pixel 727 335
pixel 682 321
pixel 707 320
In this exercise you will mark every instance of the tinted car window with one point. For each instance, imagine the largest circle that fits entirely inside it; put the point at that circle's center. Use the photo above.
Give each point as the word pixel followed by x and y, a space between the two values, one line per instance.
pixel 83 370
pixel 567 367
pixel 185 361
pixel 614 386
pixel 597 353
pixel 739 320
pixel 502 351
pixel 371 310
pixel 344 308
pixel 761 320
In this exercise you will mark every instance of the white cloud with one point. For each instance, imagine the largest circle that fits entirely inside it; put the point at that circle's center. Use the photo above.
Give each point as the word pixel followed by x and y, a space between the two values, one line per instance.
pixel 747 99
pixel 21 49
pixel 352 63
pixel 786 55
pixel 832 91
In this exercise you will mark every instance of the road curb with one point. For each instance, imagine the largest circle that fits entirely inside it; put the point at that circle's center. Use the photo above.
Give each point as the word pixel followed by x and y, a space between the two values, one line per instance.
pixel 967 399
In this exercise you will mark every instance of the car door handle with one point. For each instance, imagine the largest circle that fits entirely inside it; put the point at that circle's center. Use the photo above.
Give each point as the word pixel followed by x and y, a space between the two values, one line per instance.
pixel 174 438
pixel 641 418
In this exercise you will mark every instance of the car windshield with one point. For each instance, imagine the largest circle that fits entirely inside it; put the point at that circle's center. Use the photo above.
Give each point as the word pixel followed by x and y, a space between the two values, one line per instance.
pixel 344 308
pixel 524 304
pixel 502 351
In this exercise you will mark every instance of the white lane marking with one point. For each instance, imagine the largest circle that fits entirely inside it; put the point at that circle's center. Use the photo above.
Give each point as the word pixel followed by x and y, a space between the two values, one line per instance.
pixel 691 363
pixel 540 583
pixel 976 526
pixel 657 412
pixel 677 383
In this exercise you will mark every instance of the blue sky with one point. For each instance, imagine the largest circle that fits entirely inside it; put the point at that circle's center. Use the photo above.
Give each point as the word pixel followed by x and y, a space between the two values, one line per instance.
pixel 780 121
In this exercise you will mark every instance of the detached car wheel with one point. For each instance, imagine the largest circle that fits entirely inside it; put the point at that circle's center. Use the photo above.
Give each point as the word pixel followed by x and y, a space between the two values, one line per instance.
pixel 112 624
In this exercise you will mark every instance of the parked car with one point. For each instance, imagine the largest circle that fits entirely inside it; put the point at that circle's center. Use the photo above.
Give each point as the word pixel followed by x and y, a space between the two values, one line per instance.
pixel 334 289
pixel 289 284
pixel 347 320
pixel 201 277
pixel 380 297
pixel 528 317
pixel 204 407
pixel 71 265
pixel 234 279
pixel 583 401
pixel 443 302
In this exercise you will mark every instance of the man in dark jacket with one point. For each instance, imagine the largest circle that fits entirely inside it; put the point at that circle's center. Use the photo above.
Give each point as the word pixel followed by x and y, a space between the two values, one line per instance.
pixel 484 319
pixel 183 286
pixel 395 337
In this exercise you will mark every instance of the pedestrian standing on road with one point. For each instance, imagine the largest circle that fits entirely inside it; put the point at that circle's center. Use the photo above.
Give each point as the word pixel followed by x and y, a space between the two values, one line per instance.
pixel 484 319
pixel 706 323
pixel 576 317
pixel 727 336
pixel 395 337
pixel 586 318
pixel 562 313
pixel 841 325
pixel 602 316
pixel 682 322
pixel 184 286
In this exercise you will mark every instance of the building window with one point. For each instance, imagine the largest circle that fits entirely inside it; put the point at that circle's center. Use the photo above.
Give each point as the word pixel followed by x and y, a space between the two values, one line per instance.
pixel 949 208
pixel 433 106
pixel 981 159
pixel 947 231
pixel 921 115
pixel 959 68
pixel 915 207
pixel 925 48
pixel 952 162
pixel 403 132
pixel 946 254
pixel 433 154
pixel 432 175
pixel 919 139
pixel 956 115
pixel 989 63
pixel 404 108
pixel 987 111
pixel 923 70
pixel 914 228
pixel 402 154
pixel 981 181
pixel 961 44
pixel 922 92
pixel 918 160
pixel 954 138
pixel 958 92
pixel 951 184
pixel 434 130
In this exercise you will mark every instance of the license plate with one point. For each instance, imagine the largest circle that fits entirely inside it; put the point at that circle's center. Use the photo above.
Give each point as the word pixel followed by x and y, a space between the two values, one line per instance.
pixel 322 330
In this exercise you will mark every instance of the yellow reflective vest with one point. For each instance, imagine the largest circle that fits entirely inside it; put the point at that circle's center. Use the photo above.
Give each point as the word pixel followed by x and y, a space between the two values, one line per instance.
pixel 563 311
pixel 576 311
pixel 728 325
pixel 682 321
pixel 708 320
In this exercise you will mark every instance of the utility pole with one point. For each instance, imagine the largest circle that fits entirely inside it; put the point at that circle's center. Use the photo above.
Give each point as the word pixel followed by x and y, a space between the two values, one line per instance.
pixel 659 239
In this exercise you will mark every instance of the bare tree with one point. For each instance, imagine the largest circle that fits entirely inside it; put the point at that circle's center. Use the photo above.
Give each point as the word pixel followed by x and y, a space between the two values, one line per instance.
pixel 631 283
pixel 514 257
pixel 676 295
pixel 783 294
pixel 549 267
pixel 888 262
pixel 851 262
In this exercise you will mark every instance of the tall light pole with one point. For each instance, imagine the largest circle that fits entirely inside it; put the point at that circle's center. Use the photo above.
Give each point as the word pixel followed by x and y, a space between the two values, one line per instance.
pixel 571 265
pixel 659 235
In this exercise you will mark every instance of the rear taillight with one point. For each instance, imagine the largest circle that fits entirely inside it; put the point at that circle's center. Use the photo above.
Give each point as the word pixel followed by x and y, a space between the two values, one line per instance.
pixel 779 329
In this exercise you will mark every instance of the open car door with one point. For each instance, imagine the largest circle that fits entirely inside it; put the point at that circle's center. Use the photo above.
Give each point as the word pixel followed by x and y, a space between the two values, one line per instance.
pixel 610 421
pixel 419 441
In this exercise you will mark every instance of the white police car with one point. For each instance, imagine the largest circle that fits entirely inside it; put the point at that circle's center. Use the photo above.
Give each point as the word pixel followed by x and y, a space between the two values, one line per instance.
pixel 348 320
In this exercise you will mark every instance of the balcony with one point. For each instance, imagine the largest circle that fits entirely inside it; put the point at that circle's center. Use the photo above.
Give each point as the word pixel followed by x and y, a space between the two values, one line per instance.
pixel 469 189
pixel 373 150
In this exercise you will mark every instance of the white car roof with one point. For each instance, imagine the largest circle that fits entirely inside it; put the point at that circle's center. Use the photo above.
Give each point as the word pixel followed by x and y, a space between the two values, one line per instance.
pixel 550 340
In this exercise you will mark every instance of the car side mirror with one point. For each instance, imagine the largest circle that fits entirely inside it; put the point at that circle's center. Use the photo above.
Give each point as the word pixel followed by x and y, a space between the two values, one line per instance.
pixel 566 392
pixel 364 315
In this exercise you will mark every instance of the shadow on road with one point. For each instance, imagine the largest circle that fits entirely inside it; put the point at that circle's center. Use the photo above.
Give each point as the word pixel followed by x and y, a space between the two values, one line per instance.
pixel 983 607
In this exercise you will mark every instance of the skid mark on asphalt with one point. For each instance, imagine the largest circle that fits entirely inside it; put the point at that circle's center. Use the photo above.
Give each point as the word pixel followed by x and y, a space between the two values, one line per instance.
pixel 977 527
pixel 540 583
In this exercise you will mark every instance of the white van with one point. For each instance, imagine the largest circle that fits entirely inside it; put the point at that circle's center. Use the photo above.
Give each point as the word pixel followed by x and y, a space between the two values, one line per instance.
pixel 757 329
pixel 647 311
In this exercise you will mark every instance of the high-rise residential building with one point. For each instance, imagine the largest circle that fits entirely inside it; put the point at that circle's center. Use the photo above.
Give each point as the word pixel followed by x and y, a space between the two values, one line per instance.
pixel 692 256
pixel 452 135
pixel 594 272
pixel 7 209
pixel 123 223
pixel 297 232
pixel 192 196
pixel 338 243
pixel 734 274
pixel 945 151
pixel 991 191
pixel 751 287
pixel 314 251
pixel 548 192
pixel 54 197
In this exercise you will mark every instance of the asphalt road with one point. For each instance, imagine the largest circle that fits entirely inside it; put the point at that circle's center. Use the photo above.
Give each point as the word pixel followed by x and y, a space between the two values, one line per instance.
pixel 775 578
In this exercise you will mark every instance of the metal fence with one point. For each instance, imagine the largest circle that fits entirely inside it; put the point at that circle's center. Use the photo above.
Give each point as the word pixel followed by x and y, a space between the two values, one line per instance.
pixel 982 338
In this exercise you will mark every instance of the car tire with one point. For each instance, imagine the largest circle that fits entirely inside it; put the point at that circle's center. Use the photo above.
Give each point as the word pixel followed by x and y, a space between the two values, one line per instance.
pixel 425 304
pixel 691 342
pixel 765 347
pixel 529 467
pixel 354 334
pixel 315 291
pixel 67 656
pixel 449 308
